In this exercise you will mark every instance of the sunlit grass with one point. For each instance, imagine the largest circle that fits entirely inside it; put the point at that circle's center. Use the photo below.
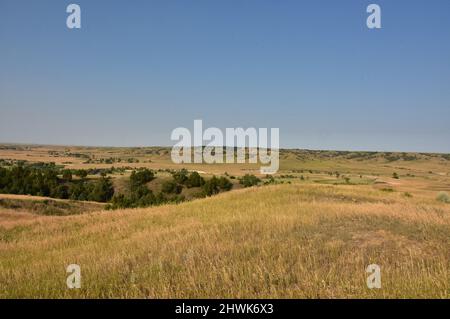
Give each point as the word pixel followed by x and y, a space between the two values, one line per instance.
pixel 293 241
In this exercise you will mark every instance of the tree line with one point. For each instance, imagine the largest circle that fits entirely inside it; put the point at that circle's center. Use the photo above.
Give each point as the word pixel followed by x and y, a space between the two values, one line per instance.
pixel 139 195
pixel 46 181
pixel 56 182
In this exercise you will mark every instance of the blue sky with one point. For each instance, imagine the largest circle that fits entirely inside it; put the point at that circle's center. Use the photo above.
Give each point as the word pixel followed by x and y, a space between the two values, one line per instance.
pixel 138 69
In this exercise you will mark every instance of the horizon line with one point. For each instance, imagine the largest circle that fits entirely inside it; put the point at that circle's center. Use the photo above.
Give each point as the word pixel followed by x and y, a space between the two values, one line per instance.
pixel 171 146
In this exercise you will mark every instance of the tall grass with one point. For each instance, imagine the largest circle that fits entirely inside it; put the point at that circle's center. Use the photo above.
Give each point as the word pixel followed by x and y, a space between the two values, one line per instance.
pixel 281 241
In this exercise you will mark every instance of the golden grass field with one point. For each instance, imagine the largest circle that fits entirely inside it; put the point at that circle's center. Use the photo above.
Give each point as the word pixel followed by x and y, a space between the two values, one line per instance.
pixel 306 238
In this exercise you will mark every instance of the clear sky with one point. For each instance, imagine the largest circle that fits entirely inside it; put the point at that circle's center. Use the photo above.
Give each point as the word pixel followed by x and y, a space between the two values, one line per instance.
pixel 138 69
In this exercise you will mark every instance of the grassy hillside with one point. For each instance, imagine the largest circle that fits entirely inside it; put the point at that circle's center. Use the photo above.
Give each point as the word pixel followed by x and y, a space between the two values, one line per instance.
pixel 290 240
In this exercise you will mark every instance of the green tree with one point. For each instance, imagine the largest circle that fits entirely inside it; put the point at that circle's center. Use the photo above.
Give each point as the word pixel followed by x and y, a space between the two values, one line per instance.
pixel 211 186
pixel 171 187
pixel 102 191
pixel 225 184
pixel 180 176
pixel 67 175
pixel 194 180
pixel 141 177
pixel 81 173
pixel 249 180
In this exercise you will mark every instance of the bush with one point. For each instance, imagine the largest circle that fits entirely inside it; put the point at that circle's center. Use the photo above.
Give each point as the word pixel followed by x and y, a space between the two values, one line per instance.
pixel 120 201
pixel 249 180
pixel 395 175
pixel 61 191
pixel 67 175
pixel 103 190
pixel 43 180
pixel 225 184
pixel 211 187
pixel 139 197
pixel 81 173
pixel 215 185
pixel 194 180
pixel 141 177
pixel 181 176
pixel 406 194
pixel 443 197
pixel 171 187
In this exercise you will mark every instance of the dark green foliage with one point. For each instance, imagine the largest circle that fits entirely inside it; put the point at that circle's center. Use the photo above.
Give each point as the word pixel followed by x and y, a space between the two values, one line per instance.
pixel 395 175
pixel 141 177
pixel 270 180
pixel 249 180
pixel 67 175
pixel 171 187
pixel 80 191
pixel 103 190
pixel 81 173
pixel 44 181
pixel 225 184
pixel 60 191
pixel 141 197
pixel 181 176
pixel 215 185
pixel 120 201
pixel 194 180
pixel 211 187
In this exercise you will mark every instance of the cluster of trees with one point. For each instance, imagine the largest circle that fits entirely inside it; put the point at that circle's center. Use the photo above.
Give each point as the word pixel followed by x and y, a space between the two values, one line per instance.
pixel 215 185
pixel 45 181
pixel 210 187
pixel 249 180
pixel 52 181
pixel 139 195
pixel 183 177
pixel 111 160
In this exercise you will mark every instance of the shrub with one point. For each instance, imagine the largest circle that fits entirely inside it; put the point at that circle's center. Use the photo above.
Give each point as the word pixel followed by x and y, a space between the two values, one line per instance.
pixel 61 191
pixel 67 175
pixel 270 180
pixel 225 184
pixel 194 180
pixel 171 187
pixel 211 187
pixel 181 176
pixel 141 177
pixel 103 190
pixel 443 197
pixel 395 175
pixel 249 180
pixel 120 201
pixel 81 173
pixel 406 194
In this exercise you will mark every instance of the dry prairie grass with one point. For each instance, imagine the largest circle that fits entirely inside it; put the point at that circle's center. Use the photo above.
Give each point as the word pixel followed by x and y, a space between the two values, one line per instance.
pixel 281 241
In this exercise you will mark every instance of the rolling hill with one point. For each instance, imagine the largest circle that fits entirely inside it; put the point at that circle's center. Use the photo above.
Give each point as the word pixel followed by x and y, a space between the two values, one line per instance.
pixel 290 240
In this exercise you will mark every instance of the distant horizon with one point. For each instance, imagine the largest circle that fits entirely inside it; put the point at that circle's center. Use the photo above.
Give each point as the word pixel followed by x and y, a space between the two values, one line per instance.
pixel 170 146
